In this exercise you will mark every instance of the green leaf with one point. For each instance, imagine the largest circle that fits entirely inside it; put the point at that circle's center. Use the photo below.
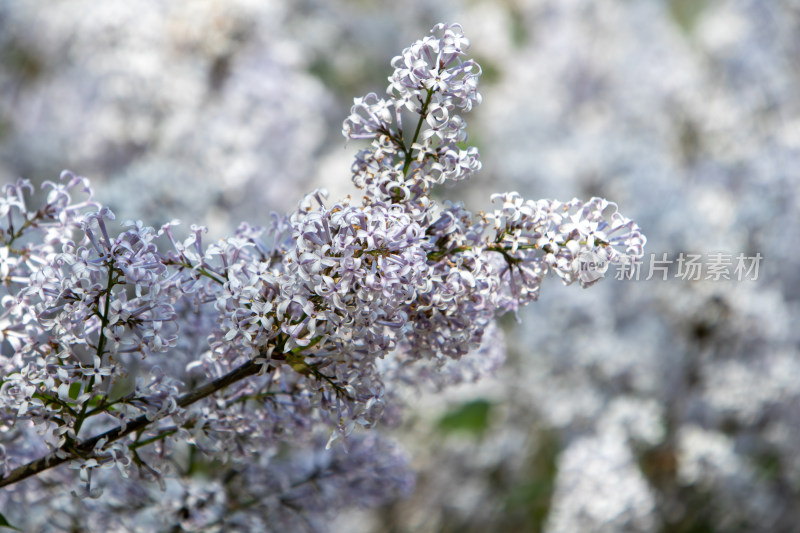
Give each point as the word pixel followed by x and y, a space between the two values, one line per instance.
pixel 74 390
pixel 4 523
pixel 686 13
pixel 470 417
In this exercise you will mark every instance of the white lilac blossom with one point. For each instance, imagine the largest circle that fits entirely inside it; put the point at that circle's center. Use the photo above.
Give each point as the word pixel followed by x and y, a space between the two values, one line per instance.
pixel 601 464
pixel 294 317
pixel 620 98
pixel 430 80
pixel 290 490
pixel 403 368
pixel 306 485
pixel 692 123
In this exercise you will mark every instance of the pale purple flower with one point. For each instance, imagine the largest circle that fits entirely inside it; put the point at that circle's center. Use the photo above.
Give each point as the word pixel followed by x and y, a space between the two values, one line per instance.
pixel 334 305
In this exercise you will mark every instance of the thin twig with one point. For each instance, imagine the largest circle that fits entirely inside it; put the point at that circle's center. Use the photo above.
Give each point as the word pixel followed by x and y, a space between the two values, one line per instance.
pixel 86 447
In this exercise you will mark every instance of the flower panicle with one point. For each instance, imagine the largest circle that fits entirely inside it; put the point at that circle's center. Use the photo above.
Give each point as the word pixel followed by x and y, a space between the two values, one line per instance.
pixel 313 320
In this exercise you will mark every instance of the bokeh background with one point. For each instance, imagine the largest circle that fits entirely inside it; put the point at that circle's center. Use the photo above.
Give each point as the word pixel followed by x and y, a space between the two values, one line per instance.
pixel 651 405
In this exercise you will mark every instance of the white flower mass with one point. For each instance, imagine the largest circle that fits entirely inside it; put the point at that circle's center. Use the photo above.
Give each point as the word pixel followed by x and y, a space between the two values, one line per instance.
pixel 367 360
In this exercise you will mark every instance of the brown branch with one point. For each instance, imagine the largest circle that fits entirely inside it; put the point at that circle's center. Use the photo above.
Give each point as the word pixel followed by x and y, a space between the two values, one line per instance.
pixel 86 447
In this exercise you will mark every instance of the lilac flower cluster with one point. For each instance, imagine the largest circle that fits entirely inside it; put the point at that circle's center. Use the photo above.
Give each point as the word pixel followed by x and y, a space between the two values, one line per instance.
pixel 298 488
pixel 102 355
pixel 432 82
